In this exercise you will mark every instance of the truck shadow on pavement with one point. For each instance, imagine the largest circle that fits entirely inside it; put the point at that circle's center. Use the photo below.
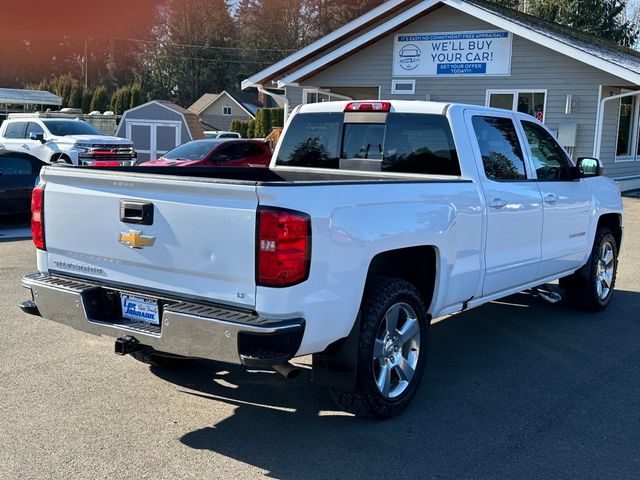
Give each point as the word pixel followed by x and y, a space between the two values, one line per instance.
pixel 514 389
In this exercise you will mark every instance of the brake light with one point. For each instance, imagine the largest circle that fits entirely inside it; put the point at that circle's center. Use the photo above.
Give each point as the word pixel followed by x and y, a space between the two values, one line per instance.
pixel 37 217
pixel 284 247
pixel 105 163
pixel 368 107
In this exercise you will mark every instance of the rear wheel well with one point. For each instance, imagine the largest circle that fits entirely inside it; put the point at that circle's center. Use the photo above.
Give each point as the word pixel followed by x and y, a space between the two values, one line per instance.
pixel 613 222
pixel 416 265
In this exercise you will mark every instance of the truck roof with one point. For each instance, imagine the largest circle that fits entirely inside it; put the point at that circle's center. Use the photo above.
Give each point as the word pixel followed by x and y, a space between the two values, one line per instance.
pixel 47 115
pixel 402 106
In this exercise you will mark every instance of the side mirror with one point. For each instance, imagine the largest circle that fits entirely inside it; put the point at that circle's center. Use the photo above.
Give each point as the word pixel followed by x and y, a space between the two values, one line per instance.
pixel 588 167
pixel 37 136
pixel 222 158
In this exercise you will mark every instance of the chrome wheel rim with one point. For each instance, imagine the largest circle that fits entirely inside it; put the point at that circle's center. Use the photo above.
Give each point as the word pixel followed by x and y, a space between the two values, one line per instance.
pixel 396 350
pixel 604 271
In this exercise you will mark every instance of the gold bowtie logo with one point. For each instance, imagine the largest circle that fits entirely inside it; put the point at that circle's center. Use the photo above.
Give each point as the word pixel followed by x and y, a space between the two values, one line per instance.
pixel 135 239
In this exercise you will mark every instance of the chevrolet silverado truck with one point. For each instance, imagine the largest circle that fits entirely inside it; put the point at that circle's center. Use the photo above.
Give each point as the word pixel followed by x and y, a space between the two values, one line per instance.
pixel 373 218
pixel 64 140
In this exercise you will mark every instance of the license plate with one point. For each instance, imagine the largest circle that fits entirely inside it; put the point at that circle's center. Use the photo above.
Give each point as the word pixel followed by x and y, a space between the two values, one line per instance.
pixel 140 309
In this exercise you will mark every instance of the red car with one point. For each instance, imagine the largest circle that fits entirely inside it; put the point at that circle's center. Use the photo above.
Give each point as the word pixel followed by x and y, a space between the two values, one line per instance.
pixel 216 152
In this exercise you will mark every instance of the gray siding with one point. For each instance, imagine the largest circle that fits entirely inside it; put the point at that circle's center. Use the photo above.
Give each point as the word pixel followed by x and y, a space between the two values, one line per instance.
pixel 294 94
pixel 533 67
pixel 153 112
pixel 214 117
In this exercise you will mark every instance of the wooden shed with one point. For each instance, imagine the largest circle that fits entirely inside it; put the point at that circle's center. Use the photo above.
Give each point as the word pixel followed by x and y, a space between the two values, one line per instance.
pixel 157 127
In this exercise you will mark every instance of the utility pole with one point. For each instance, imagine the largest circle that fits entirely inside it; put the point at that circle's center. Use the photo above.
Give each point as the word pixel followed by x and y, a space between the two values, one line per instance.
pixel 86 62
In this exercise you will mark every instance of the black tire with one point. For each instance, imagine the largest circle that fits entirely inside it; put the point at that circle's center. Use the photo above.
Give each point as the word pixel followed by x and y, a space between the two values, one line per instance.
pixel 160 359
pixel 368 400
pixel 61 158
pixel 582 288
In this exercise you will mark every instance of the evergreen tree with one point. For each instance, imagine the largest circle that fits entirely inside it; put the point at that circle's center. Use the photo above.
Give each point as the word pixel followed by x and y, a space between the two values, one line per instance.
pixel 100 100
pixel 137 97
pixel 606 19
pixel 85 104
pixel 75 95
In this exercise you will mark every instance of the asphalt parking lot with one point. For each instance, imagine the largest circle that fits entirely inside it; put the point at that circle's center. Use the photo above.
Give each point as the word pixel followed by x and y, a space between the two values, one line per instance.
pixel 515 389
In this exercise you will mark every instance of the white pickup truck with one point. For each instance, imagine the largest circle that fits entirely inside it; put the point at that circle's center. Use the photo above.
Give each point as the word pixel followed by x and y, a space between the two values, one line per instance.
pixel 64 140
pixel 374 218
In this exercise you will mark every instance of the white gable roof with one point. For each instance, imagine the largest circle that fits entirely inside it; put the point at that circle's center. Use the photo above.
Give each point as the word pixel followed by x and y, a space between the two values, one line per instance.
pixel 623 63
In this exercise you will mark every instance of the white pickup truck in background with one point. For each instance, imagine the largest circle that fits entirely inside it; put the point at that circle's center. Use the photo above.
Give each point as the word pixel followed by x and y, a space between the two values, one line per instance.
pixel 64 140
pixel 374 218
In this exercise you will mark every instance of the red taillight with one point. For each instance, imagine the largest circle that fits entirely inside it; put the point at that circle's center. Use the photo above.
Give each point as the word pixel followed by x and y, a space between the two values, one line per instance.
pixel 284 247
pixel 368 107
pixel 37 218
pixel 105 163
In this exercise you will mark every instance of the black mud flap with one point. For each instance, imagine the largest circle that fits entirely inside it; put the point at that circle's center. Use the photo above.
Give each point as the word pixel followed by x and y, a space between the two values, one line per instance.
pixel 337 366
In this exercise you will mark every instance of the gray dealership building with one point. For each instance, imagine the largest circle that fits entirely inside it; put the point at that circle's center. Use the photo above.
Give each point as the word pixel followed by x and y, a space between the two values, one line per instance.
pixel 470 51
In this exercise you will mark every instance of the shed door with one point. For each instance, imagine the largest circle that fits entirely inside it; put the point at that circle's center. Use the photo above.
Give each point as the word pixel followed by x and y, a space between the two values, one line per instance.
pixel 153 139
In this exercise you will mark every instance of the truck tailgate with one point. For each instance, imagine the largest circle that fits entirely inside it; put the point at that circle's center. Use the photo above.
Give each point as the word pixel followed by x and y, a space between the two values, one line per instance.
pixel 203 233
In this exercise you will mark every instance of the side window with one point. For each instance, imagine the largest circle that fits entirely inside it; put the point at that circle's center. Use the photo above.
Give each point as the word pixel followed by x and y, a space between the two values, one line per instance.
pixel 500 148
pixel 15 166
pixel 549 160
pixel 252 150
pixel 230 153
pixel 33 127
pixel 419 144
pixel 15 130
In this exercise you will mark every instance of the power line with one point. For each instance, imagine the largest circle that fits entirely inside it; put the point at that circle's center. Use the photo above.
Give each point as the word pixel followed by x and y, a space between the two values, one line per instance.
pixel 186 45
pixel 213 60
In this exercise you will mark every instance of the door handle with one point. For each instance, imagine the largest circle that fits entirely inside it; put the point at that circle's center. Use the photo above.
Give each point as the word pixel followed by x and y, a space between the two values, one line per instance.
pixel 136 212
pixel 497 203
pixel 551 199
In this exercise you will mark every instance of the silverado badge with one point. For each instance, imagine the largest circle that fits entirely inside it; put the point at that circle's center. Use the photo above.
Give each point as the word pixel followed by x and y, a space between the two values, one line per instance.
pixel 135 239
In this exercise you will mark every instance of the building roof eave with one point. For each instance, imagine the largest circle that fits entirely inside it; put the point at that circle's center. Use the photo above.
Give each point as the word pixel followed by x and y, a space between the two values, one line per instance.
pixel 535 35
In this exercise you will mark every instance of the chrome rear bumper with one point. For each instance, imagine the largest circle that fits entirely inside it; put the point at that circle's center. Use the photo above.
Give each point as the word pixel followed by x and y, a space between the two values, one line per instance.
pixel 187 328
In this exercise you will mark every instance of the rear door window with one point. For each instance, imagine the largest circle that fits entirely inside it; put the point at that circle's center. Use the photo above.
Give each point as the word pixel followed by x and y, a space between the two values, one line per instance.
pixel 419 144
pixel 15 130
pixel 500 148
pixel 404 143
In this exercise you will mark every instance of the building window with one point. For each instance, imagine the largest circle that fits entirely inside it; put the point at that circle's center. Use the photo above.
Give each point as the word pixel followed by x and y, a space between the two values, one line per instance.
pixel 317 95
pixel 226 110
pixel 625 127
pixel 403 87
pixel 531 102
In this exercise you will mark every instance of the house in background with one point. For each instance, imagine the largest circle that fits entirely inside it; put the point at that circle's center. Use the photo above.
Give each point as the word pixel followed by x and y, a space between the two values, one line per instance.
pixel 158 126
pixel 586 90
pixel 219 110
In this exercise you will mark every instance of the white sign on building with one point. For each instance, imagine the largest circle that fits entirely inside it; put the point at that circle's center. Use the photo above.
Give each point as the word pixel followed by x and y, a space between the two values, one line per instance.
pixel 452 54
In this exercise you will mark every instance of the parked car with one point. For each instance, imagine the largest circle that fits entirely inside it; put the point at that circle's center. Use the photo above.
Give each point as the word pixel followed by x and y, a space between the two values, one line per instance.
pixel 64 140
pixel 18 175
pixel 374 218
pixel 216 152
pixel 220 134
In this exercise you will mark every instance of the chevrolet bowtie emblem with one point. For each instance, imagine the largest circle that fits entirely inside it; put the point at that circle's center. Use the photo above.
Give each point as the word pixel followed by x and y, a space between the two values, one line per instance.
pixel 135 239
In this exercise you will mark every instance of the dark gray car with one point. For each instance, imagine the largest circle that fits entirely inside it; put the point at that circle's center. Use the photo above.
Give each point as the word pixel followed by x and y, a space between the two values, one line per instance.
pixel 18 174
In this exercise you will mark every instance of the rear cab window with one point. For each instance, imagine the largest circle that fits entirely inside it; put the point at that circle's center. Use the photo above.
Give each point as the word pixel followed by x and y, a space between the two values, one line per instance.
pixel 395 142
